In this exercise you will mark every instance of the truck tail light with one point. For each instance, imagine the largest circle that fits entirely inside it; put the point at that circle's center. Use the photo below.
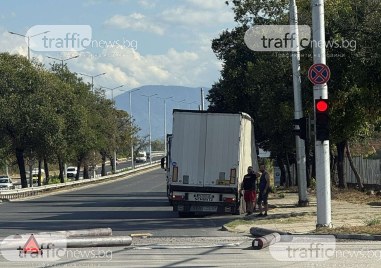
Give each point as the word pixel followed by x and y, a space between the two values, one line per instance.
pixel 177 197
pixel 175 174
pixel 229 199
pixel 233 175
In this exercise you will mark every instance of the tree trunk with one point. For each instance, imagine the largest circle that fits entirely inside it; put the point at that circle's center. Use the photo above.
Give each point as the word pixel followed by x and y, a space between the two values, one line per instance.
pixel 46 168
pixel 313 162
pixel 39 172
pixel 340 163
pixel 61 167
pixel 111 164
pixel 103 172
pixel 288 171
pixel 78 169
pixel 86 174
pixel 357 175
pixel 308 161
pixel 21 164
pixel 282 171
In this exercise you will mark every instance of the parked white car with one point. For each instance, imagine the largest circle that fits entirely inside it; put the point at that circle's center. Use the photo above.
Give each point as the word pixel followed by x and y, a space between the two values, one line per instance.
pixel 6 183
pixel 71 172
pixel 141 157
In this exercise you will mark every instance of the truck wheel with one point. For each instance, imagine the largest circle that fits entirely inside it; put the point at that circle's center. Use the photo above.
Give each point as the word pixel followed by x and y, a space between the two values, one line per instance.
pixel 237 212
pixel 238 209
pixel 185 214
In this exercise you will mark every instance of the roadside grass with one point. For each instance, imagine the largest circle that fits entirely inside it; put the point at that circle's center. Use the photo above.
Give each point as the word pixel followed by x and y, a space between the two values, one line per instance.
pixel 349 195
pixel 372 222
pixel 370 225
pixel 354 196
pixel 271 219
pixel 367 229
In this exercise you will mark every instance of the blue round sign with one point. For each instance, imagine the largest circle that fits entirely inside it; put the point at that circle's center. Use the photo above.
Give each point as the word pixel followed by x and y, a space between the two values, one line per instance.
pixel 319 74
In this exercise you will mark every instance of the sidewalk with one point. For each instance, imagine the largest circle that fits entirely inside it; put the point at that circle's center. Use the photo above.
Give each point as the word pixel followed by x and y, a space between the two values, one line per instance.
pixel 285 215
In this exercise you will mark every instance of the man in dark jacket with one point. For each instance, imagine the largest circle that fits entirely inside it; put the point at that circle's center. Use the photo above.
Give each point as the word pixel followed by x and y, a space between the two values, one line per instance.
pixel 249 187
pixel 264 189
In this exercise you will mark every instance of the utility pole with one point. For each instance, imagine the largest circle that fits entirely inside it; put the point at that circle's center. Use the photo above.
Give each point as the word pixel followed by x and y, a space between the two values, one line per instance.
pixel 323 177
pixel 165 122
pixel 149 122
pixel 298 112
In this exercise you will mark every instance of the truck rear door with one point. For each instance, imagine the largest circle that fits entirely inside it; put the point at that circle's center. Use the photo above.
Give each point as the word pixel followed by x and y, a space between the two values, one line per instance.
pixel 222 148
pixel 188 148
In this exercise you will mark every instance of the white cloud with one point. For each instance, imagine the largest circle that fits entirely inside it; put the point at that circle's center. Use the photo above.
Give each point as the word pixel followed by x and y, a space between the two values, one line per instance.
pixel 207 4
pixel 196 17
pixel 147 3
pixel 134 21
pixel 13 44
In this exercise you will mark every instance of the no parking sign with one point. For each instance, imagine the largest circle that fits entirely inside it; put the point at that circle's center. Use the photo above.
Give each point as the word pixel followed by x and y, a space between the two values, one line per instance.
pixel 319 74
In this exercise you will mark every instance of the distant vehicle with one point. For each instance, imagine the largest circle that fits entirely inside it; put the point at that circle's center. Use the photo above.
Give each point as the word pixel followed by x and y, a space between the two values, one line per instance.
pixel 35 171
pixel 6 183
pixel 71 172
pixel 141 157
pixel 35 174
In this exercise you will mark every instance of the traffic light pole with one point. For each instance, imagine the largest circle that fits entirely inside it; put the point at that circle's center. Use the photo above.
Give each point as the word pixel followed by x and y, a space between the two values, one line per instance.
pixel 323 178
pixel 298 113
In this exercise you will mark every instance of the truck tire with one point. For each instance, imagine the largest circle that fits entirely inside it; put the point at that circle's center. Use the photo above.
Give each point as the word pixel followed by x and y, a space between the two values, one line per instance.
pixel 239 208
pixel 237 212
pixel 185 214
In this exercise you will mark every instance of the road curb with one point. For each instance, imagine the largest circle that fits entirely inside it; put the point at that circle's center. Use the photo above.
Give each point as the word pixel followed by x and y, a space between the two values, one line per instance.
pixel 358 237
pixel 259 231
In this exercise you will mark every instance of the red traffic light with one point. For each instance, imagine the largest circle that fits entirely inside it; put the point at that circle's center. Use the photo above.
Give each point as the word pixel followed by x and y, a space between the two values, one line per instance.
pixel 321 106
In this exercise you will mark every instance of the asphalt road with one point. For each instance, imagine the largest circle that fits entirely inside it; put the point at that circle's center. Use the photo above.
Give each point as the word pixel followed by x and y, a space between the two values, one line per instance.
pixel 138 204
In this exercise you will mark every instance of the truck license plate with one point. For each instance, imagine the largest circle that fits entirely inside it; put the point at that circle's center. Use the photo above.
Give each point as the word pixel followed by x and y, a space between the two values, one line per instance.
pixel 203 208
pixel 203 197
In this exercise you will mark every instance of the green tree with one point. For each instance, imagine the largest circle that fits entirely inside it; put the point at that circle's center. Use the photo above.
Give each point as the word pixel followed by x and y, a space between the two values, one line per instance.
pixel 260 84
pixel 157 145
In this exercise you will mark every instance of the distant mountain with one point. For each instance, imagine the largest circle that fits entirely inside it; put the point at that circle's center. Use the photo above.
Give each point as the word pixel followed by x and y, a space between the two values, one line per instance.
pixel 192 97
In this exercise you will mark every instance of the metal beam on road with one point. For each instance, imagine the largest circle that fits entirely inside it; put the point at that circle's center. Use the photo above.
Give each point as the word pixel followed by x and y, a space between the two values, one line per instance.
pixel 109 241
pixel 82 233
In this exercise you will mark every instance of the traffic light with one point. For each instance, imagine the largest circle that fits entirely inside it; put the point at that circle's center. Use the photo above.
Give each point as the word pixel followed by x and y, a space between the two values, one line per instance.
pixel 303 131
pixel 322 119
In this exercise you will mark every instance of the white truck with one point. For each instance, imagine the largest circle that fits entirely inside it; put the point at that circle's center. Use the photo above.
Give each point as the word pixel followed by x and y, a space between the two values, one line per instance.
pixel 208 155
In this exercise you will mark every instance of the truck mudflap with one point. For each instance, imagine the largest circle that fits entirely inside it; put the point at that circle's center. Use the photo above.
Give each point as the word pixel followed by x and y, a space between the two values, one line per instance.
pixel 206 207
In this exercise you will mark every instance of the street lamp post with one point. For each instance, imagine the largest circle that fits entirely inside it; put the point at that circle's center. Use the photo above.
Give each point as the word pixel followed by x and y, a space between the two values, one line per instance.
pixel 190 103
pixel 28 37
pixel 165 123
pixel 182 101
pixel 149 122
pixel 132 142
pixel 62 60
pixel 92 79
pixel 112 97
pixel 112 90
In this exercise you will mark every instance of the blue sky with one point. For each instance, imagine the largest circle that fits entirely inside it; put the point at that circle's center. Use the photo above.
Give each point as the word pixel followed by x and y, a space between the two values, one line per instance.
pixel 170 41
